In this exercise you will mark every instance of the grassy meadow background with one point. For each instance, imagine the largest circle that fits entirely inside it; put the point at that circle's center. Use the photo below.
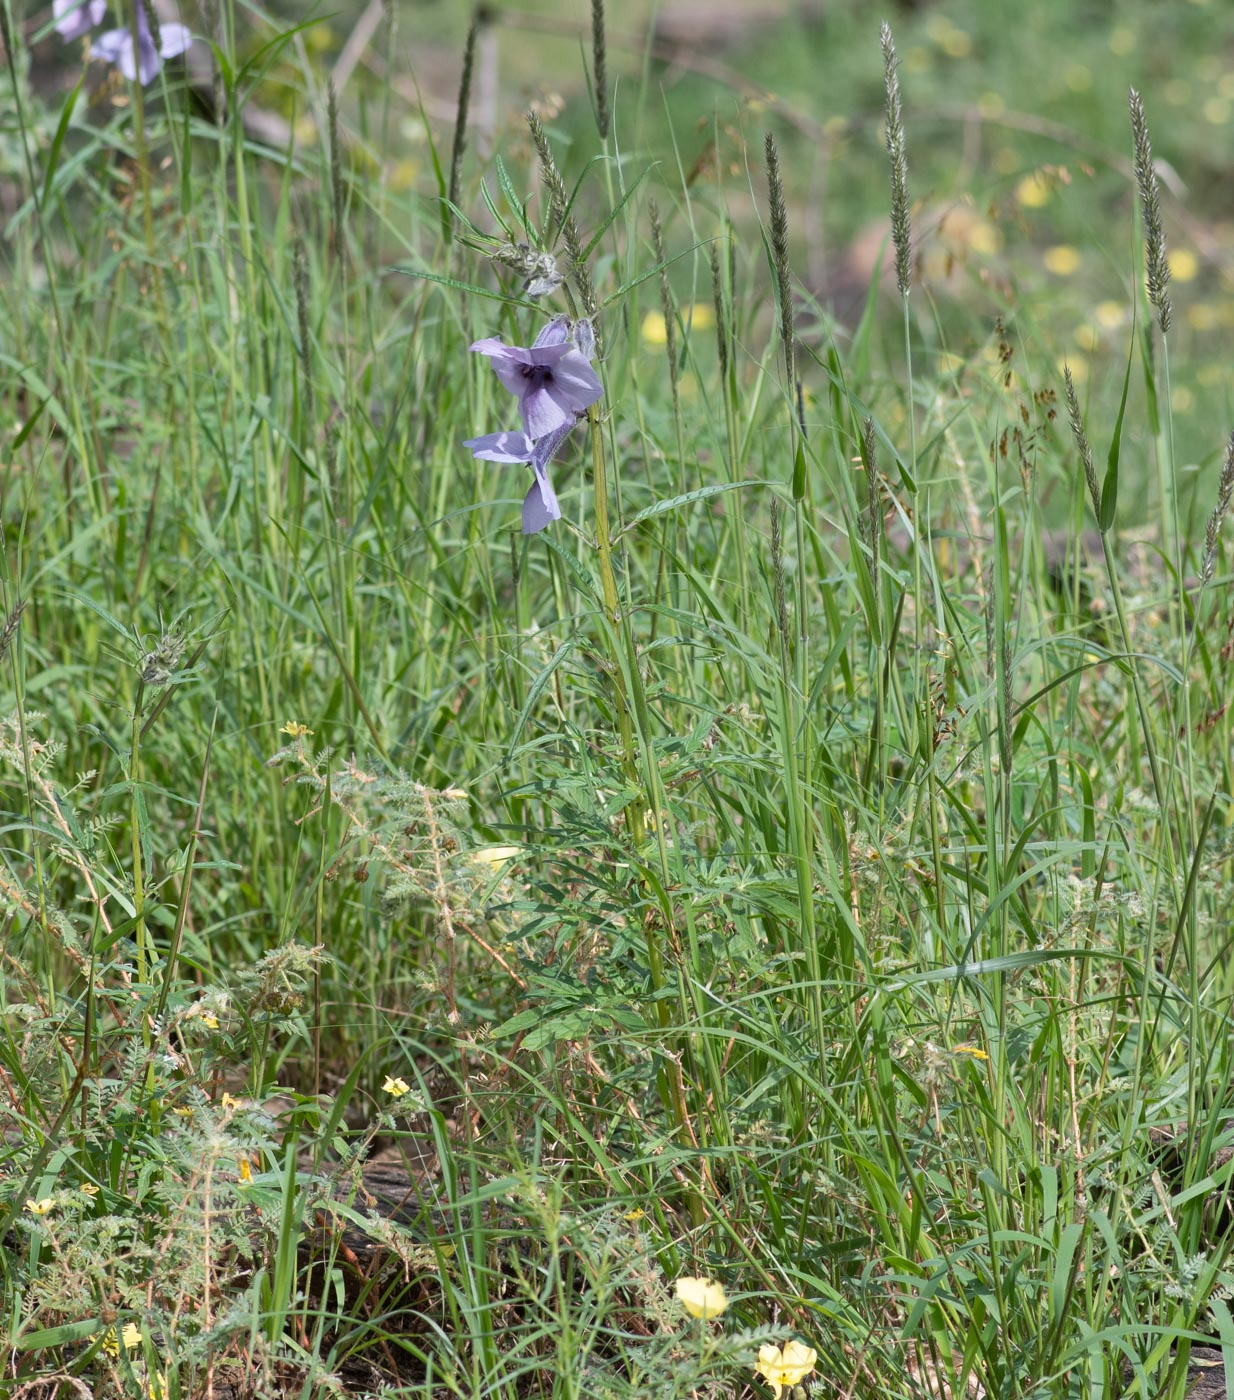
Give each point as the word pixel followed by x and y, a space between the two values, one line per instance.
pixel 805 866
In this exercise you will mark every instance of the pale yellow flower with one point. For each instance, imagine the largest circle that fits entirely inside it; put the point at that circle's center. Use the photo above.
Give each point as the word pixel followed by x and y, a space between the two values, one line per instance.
pixel 1184 265
pixel 785 1366
pixel 210 1021
pixel 1062 259
pixel 396 1088
pixel 89 1189
pixel 296 730
pixel 495 855
pixel 702 1297
pixel 43 1207
pixel 972 1050
pixel 245 1169
pixel 229 1102
pixel 130 1336
pixel 1034 190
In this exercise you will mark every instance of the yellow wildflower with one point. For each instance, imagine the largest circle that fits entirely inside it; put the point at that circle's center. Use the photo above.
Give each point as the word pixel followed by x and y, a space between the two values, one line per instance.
pixel 702 1297
pixel 156 1387
pixel 89 1189
pixel 973 1050
pixel 1062 260
pixel 130 1336
pixel 396 1088
pixel 43 1207
pixel 1034 190
pixel 785 1366
pixel 230 1102
pixel 210 1021
pixel 245 1168
pixel 1184 265
pixel 296 730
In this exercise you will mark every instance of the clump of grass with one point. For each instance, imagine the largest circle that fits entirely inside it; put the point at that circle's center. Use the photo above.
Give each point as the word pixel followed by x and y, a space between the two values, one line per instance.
pixel 419 965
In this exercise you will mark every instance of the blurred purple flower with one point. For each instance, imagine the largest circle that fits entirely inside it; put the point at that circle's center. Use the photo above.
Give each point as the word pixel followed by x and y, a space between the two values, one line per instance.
pixel 74 18
pixel 540 506
pixel 552 380
pixel 136 54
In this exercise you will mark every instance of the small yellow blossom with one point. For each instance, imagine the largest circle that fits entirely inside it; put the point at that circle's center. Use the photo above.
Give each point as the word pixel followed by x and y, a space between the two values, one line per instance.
pixel 1110 314
pixel 296 730
pixel 89 1189
pixel 1087 337
pixel 634 1215
pixel 130 1336
pixel 183 1112
pixel 43 1207
pixel 495 855
pixel 156 1386
pixel 973 1050
pixel 245 1168
pixel 1034 190
pixel 210 1021
pixel 702 1297
pixel 396 1088
pixel 1184 265
pixel 1062 259
pixel 229 1102
pixel 785 1366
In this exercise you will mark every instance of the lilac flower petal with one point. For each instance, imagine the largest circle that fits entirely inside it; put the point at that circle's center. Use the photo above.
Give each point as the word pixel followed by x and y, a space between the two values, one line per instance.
pixel 116 46
pixel 540 506
pixel 541 411
pixel 148 60
pixel 502 447
pixel 73 20
pixel 575 384
pixel 585 339
pixel 174 39
pixel 557 332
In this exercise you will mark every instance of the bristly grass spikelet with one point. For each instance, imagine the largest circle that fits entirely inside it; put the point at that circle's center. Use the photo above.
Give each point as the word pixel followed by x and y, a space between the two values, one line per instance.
pixel 560 219
pixel 897 150
pixel 1081 440
pixel 599 56
pixel 336 171
pixel 873 518
pixel 1156 267
pixel 300 281
pixel 460 121
pixel 717 297
pixel 779 254
pixel 666 298
pixel 11 624
pixel 1225 492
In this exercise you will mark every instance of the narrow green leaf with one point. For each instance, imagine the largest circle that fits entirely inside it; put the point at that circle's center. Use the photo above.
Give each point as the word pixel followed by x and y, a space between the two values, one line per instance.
pixel 675 502
pixel 1109 488
pixel 57 141
pixel 533 695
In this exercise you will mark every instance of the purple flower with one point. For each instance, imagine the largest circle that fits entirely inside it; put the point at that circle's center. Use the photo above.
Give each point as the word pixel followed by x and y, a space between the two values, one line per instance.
pixel 135 52
pixel 540 506
pixel 552 380
pixel 74 18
